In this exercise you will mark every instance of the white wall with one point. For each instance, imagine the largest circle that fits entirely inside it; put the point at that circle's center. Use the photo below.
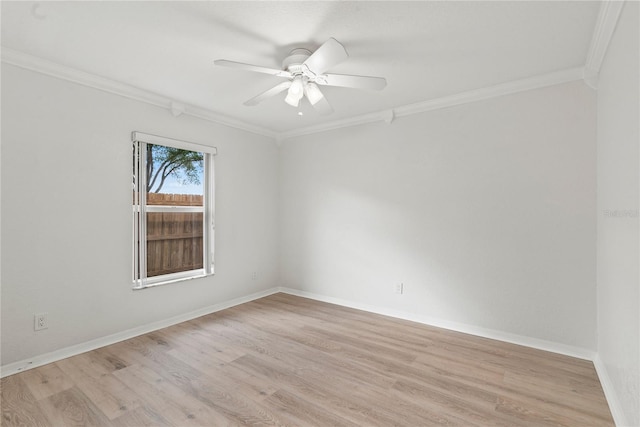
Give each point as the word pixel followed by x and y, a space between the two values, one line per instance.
pixel 618 195
pixel 486 213
pixel 66 214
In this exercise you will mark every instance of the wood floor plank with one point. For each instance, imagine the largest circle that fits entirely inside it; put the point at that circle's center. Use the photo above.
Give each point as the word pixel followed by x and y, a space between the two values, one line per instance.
pixel 142 416
pixel 286 360
pixel 582 398
pixel 305 413
pixel 542 416
pixel 186 335
pixel 19 407
pixel 71 408
pixel 471 411
pixel 109 394
pixel 211 391
pixel 46 380
pixel 110 361
pixel 242 382
pixel 175 405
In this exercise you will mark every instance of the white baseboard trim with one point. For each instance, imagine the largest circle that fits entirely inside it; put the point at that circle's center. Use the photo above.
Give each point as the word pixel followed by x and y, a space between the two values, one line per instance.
pixel 536 343
pixel 581 353
pixel 615 407
pixel 63 353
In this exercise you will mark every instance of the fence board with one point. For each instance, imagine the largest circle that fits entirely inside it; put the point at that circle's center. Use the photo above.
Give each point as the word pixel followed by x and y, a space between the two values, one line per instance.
pixel 174 199
pixel 174 239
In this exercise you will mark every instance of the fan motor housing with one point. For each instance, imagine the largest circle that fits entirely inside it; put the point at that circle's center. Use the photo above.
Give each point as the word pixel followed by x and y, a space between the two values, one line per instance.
pixel 293 62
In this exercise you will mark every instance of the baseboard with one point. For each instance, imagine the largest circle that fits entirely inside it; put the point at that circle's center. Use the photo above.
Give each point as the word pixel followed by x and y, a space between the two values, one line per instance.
pixel 43 359
pixel 63 353
pixel 536 343
pixel 610 393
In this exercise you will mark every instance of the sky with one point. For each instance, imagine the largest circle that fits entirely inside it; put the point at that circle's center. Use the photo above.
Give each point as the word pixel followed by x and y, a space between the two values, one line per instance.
pixel 173 186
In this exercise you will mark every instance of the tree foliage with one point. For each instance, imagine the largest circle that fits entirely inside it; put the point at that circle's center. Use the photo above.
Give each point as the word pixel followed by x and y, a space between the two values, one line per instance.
pixel 184 165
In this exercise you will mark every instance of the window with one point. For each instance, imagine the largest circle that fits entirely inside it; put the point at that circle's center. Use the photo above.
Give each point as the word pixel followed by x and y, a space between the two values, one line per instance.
pixel 173 221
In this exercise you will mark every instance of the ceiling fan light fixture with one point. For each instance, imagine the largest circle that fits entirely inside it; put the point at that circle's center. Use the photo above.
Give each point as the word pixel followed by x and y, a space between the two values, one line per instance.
pixel 304 71
pixel 296 88
pixel 313 93
pixel 295 92
pixel 292 100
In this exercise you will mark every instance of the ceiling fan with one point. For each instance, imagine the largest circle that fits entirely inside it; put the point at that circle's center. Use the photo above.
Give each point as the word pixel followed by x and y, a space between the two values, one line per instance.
pixel 304 71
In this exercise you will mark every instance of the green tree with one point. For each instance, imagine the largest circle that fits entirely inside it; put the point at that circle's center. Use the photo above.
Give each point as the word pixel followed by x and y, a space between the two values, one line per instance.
pixel 184 165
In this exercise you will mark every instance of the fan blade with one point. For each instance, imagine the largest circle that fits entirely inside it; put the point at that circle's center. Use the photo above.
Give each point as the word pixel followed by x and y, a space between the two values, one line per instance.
pixel 326 56
pixel 249 67
pixel 269 93
pixel 323 107
pixel 358 82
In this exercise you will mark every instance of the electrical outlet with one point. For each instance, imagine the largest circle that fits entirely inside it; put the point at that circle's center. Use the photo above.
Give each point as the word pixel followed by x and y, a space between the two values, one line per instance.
pixel 254 275
pixel 399 288
pixel 40 321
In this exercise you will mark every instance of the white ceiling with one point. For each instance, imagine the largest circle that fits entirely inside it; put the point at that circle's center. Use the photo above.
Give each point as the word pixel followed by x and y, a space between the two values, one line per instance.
pixel 425 49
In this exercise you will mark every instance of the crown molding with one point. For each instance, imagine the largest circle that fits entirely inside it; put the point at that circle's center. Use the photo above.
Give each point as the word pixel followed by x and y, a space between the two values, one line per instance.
pixel 43 66
pixel 508 88
pixel 335 124
pixel 388 116
pixel 606 23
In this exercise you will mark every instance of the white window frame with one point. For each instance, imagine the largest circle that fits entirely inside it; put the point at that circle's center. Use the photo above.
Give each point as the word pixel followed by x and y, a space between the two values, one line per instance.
pixel 140 210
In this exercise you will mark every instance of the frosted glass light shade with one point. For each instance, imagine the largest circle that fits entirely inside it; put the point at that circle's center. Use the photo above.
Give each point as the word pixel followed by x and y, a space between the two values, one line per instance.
pixel 313 93
pixel 295 93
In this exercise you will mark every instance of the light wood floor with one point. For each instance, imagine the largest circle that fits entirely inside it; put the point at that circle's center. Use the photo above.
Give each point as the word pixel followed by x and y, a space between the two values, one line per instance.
pixel 284 360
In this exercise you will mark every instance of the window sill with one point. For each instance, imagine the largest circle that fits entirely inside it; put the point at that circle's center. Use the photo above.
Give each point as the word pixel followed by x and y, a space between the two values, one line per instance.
pixel 168 280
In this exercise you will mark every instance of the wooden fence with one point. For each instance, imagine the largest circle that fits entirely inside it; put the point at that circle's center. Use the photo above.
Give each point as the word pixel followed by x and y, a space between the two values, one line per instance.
pixel 174 199
pixel 174 239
